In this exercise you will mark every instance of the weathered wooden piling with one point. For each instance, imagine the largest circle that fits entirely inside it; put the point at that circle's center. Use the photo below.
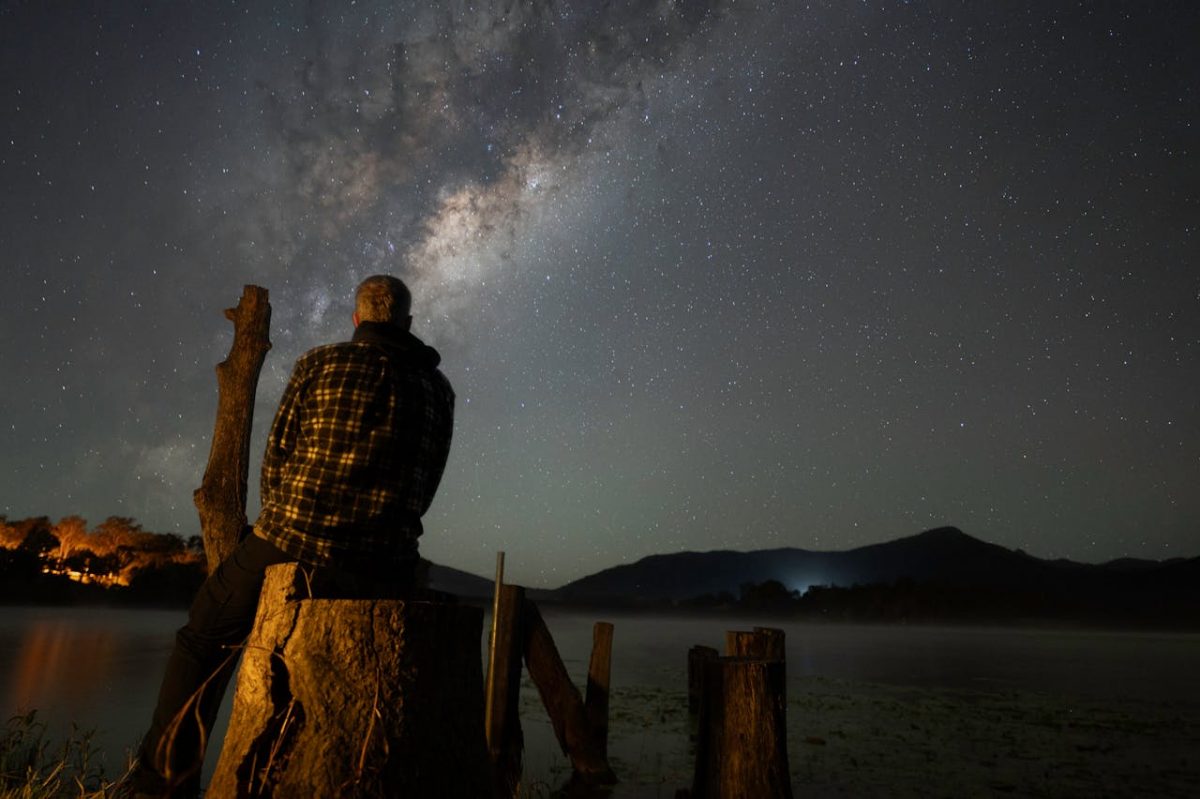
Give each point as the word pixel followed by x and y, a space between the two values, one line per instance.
pixel 762 642
pixel 765 643
pixel 741 746
pixel 356 698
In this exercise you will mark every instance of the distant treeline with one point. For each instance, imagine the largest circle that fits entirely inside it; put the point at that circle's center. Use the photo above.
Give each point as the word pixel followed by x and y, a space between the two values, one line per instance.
pixel 908 600
pixel 66 562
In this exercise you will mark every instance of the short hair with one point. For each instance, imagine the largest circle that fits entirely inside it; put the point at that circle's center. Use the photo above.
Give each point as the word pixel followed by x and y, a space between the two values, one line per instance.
pixel 382 298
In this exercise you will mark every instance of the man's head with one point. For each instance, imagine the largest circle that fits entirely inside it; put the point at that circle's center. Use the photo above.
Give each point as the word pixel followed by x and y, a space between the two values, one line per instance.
pixel 383 298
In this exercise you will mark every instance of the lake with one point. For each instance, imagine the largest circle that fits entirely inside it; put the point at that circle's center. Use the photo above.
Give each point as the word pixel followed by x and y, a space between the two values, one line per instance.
pixel 889 710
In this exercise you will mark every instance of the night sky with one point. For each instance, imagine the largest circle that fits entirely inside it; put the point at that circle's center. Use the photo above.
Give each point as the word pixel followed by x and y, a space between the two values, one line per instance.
pixel 742 275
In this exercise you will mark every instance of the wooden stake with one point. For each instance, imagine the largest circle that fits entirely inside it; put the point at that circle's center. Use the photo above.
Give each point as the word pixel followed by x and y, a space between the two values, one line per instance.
pixel 490 686
pixel 598 686
pixel 504 736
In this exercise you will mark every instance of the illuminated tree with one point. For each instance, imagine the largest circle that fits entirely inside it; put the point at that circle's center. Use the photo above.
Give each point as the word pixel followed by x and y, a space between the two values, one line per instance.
pixel 9 539
pixel 112 534
pixel 72 533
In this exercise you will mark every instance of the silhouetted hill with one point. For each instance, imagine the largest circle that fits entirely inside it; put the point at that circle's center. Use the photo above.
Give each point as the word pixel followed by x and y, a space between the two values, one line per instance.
pixel 471 586
pixel 1126 589
pixel 460 583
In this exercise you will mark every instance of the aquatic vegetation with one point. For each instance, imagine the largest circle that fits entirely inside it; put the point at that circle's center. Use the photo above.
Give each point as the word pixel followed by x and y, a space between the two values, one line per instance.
pixel 33 766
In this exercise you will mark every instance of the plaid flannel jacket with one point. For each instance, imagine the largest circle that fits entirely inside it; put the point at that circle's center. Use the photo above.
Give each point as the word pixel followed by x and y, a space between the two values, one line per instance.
pixel 357 449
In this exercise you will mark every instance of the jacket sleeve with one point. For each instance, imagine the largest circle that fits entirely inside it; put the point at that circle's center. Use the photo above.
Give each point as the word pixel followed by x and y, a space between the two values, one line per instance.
pixel 281 441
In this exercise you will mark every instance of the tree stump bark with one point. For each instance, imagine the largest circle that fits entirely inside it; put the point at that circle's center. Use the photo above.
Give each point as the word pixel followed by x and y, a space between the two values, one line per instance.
pixel 356 698
pixel 221 497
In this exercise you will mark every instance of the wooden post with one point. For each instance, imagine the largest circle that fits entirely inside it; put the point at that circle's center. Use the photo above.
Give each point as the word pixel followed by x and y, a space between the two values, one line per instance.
pixel 490 686
pixel 696 657
pixel 595 702
pixel 356 698
pixel 764 643
pixel 503 726
pixel 562 700
pixel 770 643
pixel 741 748
pixel 221 497
pixel 738 643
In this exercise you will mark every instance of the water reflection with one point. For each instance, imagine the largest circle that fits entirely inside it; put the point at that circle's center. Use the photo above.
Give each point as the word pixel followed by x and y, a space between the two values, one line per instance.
pixel 57 662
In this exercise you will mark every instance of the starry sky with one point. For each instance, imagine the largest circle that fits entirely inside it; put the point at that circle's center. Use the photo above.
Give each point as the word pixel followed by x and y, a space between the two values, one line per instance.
pixel 704 275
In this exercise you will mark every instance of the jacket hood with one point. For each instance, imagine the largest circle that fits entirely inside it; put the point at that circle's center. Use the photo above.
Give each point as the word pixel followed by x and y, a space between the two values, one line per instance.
pixel 404 343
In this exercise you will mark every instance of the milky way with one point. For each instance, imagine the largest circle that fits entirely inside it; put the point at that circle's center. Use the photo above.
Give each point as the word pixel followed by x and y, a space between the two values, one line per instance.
pixel 704 275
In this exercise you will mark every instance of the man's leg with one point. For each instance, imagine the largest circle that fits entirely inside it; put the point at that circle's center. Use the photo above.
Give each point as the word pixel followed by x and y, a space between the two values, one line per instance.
pixel 200 665
pixel 366 578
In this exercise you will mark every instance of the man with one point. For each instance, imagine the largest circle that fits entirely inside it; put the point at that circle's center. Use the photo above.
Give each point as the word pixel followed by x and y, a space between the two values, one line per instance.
pixel 353 459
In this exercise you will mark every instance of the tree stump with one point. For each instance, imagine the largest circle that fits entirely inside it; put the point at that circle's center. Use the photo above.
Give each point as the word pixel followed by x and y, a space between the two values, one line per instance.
pixel 356 698
pixel 221 497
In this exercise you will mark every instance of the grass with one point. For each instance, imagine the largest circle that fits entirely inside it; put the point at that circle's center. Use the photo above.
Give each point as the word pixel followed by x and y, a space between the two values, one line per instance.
pixel 33 766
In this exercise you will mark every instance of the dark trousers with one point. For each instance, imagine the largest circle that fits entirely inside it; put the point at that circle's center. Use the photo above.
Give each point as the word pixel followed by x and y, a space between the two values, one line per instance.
pixel 207 647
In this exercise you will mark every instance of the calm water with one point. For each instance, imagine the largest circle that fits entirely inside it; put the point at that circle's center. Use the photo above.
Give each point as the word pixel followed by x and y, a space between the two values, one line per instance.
pixel 101 667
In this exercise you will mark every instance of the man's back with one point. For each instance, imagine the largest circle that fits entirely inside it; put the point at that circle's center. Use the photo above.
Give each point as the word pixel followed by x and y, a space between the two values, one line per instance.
pixel 357 449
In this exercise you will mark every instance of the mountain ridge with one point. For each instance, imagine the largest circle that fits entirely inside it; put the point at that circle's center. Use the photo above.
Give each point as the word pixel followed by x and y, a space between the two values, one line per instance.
pixel 942 554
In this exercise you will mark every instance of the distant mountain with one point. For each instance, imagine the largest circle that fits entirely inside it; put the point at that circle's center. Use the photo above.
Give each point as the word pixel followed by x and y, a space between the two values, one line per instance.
pixel 952 573
pixel 684 575
pixel 945 555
